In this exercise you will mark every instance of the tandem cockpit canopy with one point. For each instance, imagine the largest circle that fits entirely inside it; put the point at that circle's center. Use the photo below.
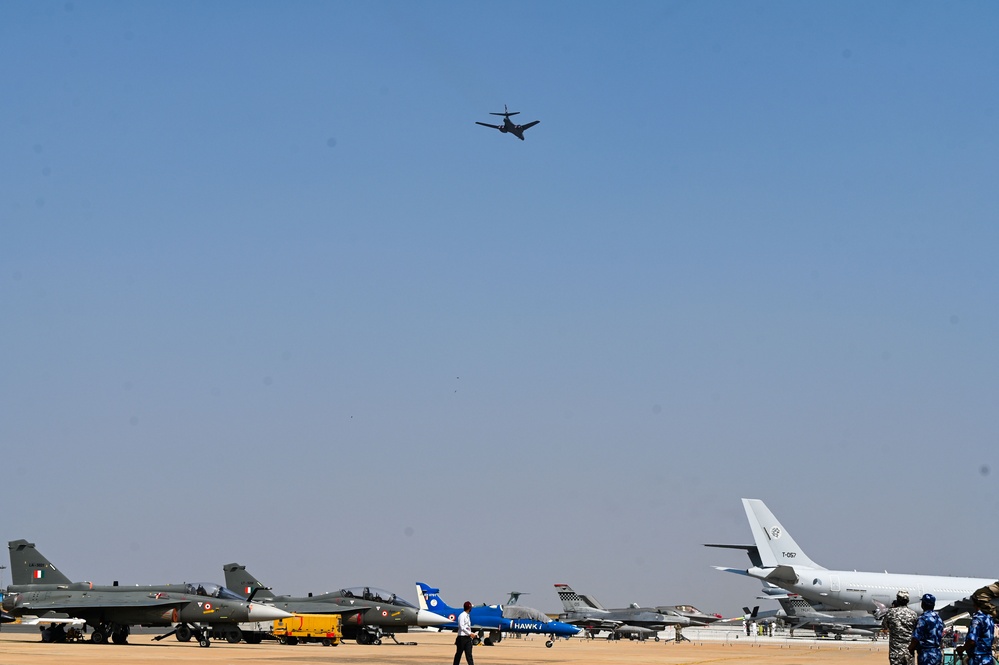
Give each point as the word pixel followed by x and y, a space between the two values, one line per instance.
pixel 522 612
pixel 213 591
pixel 375 594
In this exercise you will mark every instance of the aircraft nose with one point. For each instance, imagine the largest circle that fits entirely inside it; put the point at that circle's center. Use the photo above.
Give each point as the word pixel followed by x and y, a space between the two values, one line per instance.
pixel 567 630
pixel 427 618
pixel 259 612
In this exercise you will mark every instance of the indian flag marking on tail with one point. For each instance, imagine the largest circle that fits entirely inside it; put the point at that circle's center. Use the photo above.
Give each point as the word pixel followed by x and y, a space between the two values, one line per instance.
pixel 38 573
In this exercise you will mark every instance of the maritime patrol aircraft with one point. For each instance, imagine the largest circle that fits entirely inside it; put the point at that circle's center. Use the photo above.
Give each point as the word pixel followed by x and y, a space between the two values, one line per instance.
pixel 508 126
pixel 634 621
pixel 778 559
pixel 40 589
pixel 368 613
pixel 497 619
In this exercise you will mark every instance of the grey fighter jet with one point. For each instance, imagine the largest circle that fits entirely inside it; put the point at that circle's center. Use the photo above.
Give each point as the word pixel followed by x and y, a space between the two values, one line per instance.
pixel 634 621
pixel 368 613
pixel 40 589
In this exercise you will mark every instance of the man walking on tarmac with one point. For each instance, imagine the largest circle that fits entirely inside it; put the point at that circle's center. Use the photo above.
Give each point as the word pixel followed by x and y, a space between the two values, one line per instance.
pixel 463 643
pixel 899 622
pixel 927 636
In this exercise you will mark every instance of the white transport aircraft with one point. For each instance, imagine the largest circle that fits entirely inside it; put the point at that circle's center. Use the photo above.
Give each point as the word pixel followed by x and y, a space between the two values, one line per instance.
pixel 778 559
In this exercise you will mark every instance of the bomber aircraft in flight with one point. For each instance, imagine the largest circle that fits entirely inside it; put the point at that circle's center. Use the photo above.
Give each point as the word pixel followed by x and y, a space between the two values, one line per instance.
pixel 508 126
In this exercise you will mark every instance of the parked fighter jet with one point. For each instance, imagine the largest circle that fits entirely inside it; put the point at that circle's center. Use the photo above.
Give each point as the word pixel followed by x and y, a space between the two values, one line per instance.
pixel 40 589
pixel 634 621
pixel 508 127
pixel 368 613
pixel 497 619
pixel 799 613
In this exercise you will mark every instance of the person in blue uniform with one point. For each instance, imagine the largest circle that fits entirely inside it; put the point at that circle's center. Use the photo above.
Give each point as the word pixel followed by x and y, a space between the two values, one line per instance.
pixel 927 636
pixel 981 633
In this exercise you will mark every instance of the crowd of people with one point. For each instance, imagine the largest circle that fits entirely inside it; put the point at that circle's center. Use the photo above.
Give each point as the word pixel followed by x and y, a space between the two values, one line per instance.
pixel 919 639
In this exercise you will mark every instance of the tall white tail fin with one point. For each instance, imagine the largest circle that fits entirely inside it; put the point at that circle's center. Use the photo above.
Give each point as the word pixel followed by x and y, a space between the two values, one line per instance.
pixel 775 544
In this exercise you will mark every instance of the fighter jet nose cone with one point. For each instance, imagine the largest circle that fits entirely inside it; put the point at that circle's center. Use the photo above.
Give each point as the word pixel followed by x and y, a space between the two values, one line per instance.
pixel 426 618
pixel 266 613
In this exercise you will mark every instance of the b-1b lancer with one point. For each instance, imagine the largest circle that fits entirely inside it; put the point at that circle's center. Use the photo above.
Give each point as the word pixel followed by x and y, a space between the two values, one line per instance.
pixel 508 126
pixel 39 589
pixel 368 613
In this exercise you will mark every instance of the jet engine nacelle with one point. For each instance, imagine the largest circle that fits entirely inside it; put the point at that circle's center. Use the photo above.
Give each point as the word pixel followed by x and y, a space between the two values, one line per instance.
pixel 503 129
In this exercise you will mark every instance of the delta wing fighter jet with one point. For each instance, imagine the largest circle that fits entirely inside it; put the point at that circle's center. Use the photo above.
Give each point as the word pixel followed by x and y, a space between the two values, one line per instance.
pixel 634 621
pixel 41 590
pixel 497 619
pixel 368 613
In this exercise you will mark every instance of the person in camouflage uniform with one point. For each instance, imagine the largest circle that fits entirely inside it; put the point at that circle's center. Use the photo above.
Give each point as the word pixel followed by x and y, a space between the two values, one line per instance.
pixel 927 636
pixel 899 622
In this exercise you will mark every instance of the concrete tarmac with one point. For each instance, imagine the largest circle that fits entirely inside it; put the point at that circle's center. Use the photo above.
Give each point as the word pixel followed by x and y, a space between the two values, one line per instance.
pixel 707 647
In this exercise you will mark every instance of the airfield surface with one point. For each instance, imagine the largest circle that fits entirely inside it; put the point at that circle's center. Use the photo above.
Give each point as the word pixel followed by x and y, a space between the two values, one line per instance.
pixel 707 647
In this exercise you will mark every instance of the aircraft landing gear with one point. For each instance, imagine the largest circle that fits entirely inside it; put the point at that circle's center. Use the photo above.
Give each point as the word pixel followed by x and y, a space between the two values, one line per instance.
pixel 183 633
pixel 366 637
pixel 549 644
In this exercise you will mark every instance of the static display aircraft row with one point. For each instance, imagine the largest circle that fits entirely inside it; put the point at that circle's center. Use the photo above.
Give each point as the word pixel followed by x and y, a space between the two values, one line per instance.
pixel 41 592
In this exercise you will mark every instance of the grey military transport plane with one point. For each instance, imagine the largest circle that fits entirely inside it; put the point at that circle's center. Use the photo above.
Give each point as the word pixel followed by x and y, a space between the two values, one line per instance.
pixel 40 589
pixel 776 558
pixel 368 613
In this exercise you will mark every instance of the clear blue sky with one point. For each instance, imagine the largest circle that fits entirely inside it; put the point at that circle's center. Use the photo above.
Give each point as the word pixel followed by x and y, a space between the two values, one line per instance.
pixel 269 295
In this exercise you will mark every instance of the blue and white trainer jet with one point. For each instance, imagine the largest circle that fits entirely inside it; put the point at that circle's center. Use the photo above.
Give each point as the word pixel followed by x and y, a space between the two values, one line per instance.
pixel 497 619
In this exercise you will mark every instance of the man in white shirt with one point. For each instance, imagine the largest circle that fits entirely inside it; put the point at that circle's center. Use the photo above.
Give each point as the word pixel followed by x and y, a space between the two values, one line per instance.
pixel 463 643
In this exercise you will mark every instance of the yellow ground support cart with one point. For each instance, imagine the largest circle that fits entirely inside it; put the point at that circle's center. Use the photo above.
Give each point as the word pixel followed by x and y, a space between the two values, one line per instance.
pixel 301 628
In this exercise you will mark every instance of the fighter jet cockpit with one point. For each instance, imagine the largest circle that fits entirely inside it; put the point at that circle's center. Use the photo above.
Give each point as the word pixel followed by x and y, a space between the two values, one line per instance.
pixel 213 591
pixel 375 594
pixel 523 612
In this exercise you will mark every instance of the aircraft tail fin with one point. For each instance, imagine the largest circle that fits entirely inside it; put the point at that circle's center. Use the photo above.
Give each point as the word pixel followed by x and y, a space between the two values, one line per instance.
pixel 796 606
pixel 28 566
pixel 576 602
pixel 239 580
pixel 431 601
pixel 774 543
